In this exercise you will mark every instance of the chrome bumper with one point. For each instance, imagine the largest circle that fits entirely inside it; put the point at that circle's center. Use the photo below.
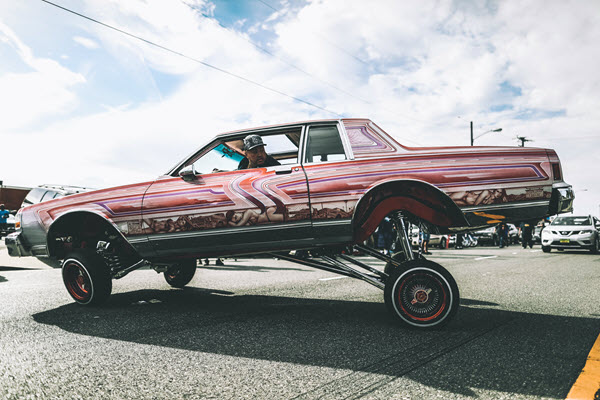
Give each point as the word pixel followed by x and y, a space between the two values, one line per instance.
pixel 14 245
pixel 562 198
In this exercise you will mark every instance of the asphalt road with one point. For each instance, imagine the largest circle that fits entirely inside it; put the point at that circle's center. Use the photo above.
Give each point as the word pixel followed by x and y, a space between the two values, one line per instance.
pixel 260 328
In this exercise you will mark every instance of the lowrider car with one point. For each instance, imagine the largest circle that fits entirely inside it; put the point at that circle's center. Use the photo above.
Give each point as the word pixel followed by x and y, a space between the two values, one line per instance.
pixel 337 180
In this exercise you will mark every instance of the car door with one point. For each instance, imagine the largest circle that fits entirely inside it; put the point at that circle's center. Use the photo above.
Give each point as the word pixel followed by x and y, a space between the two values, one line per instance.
pixel 334 189
pixel 213 208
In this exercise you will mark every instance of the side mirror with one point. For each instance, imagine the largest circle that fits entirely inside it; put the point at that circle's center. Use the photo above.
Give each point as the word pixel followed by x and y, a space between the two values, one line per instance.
pixel 188 173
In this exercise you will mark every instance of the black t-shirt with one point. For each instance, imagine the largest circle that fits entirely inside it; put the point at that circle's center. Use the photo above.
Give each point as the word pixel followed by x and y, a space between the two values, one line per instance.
pixel 269 162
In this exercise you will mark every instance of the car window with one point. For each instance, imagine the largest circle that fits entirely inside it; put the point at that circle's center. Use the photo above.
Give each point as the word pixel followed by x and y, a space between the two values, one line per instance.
pixel 323 143
pixel 220 158
pixel 571 221
pixel 34 196
pixel 49 195
pixel 225 155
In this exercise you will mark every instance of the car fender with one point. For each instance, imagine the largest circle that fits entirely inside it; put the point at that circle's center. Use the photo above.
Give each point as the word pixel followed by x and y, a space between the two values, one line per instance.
pixel 76 217
pixel 419 198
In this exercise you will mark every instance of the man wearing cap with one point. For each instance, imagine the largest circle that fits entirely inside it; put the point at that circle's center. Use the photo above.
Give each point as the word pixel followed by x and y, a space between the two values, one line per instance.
pixel 256 156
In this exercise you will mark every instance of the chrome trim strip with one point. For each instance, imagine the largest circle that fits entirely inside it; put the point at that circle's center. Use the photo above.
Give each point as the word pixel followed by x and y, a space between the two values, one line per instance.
pixel 345 140
pixel 342 222
pixel 227 231
pixel 505 206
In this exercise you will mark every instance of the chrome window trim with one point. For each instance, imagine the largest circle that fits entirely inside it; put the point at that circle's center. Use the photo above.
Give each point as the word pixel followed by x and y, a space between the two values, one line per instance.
pixel 227 231
pixel 343 138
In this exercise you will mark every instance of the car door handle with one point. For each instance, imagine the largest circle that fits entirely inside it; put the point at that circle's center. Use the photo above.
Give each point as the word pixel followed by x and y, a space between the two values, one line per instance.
pixel 285 170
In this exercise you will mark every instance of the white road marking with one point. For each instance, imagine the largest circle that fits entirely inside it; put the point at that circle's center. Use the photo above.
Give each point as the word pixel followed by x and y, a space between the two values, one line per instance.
pixel 335 277
pixel 484 258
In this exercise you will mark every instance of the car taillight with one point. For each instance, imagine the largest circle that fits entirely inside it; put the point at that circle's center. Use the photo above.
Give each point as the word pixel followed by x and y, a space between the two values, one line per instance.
pixel 556 172
pixel 18 220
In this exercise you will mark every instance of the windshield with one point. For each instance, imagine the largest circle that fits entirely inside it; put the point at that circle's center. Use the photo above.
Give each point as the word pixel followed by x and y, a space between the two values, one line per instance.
pixel 572 221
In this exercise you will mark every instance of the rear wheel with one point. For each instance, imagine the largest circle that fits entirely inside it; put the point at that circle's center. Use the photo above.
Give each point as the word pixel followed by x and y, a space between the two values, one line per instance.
pixel 181 274
pixel 596 246
pixel 421 294
pixel 86 277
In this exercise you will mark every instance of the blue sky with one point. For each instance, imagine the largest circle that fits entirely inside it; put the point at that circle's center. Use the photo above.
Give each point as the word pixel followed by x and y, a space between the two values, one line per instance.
pixel 96 107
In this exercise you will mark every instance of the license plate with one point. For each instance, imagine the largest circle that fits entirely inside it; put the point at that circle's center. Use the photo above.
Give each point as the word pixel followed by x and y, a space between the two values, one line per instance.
pixel 565 241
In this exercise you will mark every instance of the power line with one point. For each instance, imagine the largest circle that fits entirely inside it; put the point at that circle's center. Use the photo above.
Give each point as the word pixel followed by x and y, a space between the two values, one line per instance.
pixel 289 64
pixel 191 58
pixel 225 71
pixel 321 37
pixel 392 112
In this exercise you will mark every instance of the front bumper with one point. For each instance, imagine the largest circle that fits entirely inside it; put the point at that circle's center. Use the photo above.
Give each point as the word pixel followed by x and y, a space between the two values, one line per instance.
pixel 14 245
pixel 569 242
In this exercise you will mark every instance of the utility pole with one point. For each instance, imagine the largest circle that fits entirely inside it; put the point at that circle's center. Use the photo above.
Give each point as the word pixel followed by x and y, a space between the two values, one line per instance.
pixel 471 133
pixel 523 139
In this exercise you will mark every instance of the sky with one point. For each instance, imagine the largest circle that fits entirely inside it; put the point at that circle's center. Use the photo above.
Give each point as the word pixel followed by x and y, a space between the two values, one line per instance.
pixel 99 93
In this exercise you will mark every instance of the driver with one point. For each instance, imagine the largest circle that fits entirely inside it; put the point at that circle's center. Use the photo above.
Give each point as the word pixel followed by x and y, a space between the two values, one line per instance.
pixel 256 156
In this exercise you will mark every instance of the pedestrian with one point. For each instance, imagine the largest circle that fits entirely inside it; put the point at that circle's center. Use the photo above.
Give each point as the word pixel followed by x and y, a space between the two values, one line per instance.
pixel 385 235
pixel 425 237
pixel 503 234
pixel 3 218
pixel 526 234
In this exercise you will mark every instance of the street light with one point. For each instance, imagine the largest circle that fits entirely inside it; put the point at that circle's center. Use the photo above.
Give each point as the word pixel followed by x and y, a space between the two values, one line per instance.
pixel 491 130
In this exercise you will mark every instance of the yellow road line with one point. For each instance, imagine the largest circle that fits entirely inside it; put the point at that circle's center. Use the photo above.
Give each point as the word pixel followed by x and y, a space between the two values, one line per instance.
pixel 587 386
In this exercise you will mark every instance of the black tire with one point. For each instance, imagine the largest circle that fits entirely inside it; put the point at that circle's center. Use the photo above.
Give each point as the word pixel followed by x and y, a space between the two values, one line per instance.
pixel 596 246
pixel 546 249
pixel 422 294
pixel 179 275
pixel 86 277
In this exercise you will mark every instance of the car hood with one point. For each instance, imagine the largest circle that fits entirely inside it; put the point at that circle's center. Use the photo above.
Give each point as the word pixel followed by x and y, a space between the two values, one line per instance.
pixel 109 203
pixel 570 227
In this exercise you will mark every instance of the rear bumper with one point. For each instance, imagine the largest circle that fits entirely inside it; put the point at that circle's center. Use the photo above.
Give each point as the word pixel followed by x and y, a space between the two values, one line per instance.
pixel 562 198
pixel 15 246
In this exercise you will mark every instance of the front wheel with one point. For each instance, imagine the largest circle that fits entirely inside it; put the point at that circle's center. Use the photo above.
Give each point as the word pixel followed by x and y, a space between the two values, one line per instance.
pixel 443 243
pixel 86 277
pixel 546 249
pixel 181 274
pixel 422 294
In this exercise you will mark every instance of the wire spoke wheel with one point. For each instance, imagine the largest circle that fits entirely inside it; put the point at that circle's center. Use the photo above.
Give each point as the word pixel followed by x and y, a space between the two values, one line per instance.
pixel 422 294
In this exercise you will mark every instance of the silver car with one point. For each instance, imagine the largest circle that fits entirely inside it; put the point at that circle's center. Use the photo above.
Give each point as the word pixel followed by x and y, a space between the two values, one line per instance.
pixel 572 232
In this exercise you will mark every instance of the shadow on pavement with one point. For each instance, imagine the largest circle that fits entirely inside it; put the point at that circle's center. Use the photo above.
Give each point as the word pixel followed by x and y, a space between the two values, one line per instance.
pixel 482 347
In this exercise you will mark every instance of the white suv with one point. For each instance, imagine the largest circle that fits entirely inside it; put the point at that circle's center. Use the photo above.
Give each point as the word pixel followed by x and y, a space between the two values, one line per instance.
pixel 572 232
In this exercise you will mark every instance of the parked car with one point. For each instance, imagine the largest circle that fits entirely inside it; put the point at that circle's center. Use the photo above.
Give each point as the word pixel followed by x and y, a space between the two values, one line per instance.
pixel 441 241
pixel 487 236
pixel 337 180
pixel 9 227
pixel 572 232
pixel 49 192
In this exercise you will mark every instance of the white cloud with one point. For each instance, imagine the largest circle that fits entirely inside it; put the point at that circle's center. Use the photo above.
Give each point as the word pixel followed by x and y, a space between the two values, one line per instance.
pixel 86 42
pixel 412 68
pixel 45 89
